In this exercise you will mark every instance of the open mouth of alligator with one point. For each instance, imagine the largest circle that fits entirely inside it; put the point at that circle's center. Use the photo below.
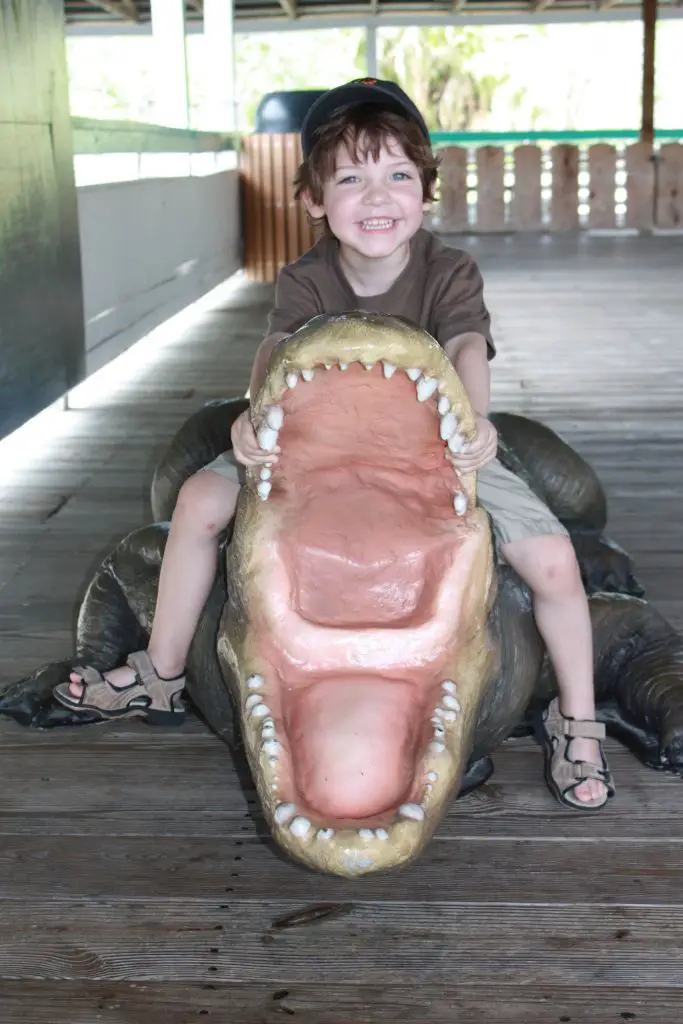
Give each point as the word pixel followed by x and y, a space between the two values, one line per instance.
pixel 365 593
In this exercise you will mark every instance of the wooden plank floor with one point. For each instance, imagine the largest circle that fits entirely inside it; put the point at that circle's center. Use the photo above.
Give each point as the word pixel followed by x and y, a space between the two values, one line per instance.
pixel 136 879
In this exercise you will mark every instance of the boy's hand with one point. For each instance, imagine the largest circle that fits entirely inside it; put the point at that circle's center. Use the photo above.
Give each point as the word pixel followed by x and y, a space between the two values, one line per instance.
pixel 482 450
pixel 244 443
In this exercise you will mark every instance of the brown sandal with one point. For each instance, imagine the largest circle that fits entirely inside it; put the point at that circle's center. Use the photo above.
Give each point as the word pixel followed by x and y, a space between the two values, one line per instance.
pixel 555 732
pixel 148 696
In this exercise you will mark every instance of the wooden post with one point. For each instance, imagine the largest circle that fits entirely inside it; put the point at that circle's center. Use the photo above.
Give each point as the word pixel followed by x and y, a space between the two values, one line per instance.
pixel 647 126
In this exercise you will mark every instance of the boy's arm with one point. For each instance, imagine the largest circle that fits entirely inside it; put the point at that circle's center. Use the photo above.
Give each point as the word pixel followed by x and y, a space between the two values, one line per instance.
pixel 468 354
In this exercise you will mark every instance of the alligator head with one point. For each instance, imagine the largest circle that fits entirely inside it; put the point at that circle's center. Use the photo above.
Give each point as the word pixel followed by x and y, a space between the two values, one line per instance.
pixel 360 579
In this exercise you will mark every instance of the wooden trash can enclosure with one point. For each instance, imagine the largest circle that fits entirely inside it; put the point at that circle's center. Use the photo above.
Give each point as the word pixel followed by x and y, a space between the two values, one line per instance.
pixel 483 189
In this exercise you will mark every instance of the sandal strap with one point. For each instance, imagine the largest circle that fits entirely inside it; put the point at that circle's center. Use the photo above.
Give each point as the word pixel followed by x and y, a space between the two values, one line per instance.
pixel 141 664
pixel 585 730
pixel 583 770
pixel 160 691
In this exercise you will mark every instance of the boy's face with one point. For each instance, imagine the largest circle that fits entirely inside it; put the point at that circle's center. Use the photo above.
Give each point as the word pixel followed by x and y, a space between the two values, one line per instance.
pixel 373 207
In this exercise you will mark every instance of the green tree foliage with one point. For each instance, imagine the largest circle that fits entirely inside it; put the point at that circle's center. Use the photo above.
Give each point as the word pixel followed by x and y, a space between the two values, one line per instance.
pixel 436 66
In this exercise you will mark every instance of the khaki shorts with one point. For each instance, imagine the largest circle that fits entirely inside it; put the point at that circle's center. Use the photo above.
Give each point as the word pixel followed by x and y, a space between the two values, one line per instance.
pixel 515 511
pixel 227 466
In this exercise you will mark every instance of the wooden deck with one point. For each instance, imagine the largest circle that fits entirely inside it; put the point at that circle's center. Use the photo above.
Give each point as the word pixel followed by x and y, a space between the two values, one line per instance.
pixel 134 885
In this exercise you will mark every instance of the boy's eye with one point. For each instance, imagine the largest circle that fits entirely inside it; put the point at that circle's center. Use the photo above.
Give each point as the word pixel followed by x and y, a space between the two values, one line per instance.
pixel 401 176
pixel 347 179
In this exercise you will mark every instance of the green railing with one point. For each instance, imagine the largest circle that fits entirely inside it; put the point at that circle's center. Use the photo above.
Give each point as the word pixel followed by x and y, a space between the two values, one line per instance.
pixel 507 138
pixel 92 137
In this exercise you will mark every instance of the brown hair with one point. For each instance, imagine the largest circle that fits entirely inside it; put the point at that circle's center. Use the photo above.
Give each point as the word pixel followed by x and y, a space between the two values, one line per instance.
pixel 363 130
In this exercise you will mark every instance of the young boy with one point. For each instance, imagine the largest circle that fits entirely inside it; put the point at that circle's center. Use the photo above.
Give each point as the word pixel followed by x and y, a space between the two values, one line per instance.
pixel 368 174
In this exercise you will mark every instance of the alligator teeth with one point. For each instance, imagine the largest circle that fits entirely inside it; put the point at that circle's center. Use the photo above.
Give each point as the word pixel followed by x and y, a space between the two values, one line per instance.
pixel 266 473
pixel 436 748
pixel 443 406
pixel 431 776
pixel 343 366
pixel 283 812
pixel 381 833
pixel 448 716
pixel 414 373
pixel 448 426
pixel 388 369
pixel 414 811
pixel 252 701
pixel 291 380
pixel 275 416
pixel 271 747
pixel 426 387
pixel 308 374
pixel 456 443
pixel 263 489
pixel 366 833
pixel 255 682
pixel 369 366
pixel 449 686
pixel 324 834
pixel 260 711
pixel 268 731
pixel 450 702
pixel 299 827
pixel 267 438
pixel 460 504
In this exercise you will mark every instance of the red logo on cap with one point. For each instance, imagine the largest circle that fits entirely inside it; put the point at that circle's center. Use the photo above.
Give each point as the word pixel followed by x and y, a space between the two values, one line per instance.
pixel 368 81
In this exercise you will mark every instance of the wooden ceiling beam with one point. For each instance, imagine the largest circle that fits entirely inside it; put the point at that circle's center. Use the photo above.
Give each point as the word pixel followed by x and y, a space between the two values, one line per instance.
pixel 126 9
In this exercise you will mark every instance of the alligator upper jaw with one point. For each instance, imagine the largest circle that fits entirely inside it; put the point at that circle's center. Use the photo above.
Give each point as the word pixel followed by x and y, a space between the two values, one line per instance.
pixel 358 627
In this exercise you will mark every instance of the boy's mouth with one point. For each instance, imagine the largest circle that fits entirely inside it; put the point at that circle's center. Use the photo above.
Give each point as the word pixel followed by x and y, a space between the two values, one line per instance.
pixel 377 224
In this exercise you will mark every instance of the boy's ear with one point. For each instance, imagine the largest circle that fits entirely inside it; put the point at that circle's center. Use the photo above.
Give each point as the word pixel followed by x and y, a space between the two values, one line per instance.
pixel 315 212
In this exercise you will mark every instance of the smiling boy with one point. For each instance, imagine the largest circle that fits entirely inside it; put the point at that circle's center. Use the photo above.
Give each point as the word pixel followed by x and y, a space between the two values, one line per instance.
pixel 369 175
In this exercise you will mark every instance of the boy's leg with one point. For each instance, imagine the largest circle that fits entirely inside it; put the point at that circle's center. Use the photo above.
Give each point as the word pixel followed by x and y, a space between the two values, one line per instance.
pixel 205 506
pixel 548 565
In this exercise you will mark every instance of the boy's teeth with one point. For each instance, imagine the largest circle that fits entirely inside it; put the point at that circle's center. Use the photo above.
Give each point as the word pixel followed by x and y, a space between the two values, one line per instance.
pixel 376 224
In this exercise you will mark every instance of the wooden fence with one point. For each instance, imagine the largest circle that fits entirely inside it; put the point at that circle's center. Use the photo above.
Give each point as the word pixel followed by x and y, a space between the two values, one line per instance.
pixel 527 188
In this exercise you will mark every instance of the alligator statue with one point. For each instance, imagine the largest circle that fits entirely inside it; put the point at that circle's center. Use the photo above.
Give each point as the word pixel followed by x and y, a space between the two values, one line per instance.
pixel 364 646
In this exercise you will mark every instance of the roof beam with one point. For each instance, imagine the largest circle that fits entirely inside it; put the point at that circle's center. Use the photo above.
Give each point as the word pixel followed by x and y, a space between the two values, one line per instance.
pixel 540 5
pixel 289 7
pixel 123 8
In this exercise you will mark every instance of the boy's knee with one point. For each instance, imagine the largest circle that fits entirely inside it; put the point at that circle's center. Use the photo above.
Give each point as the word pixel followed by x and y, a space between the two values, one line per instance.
pixel 557 564
pixel 207 501
pixel 547 563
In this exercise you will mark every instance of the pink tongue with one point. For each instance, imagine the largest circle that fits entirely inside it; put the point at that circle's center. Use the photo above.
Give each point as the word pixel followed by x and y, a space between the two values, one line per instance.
pixel 352 743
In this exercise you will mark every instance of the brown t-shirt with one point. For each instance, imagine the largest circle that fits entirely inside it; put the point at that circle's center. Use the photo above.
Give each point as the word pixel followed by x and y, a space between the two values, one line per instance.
pixel 440 289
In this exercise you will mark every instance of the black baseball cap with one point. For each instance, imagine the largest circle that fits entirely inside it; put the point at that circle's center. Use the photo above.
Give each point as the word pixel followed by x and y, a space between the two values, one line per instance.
pixel 387 95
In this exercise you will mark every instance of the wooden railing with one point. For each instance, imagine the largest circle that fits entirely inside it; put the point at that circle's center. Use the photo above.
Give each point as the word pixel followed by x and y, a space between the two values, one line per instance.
pixel 482 189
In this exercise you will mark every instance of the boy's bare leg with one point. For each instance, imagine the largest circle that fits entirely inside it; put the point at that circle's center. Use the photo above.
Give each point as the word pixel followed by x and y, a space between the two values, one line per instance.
pixel 548 565
pixel 205 506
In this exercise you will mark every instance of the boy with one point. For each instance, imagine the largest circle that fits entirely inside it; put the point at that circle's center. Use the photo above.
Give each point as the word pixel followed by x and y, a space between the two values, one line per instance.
pixel 368 174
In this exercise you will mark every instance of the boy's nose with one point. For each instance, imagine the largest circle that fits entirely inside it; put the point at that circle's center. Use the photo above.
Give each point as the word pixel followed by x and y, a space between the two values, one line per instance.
pixel 376 195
